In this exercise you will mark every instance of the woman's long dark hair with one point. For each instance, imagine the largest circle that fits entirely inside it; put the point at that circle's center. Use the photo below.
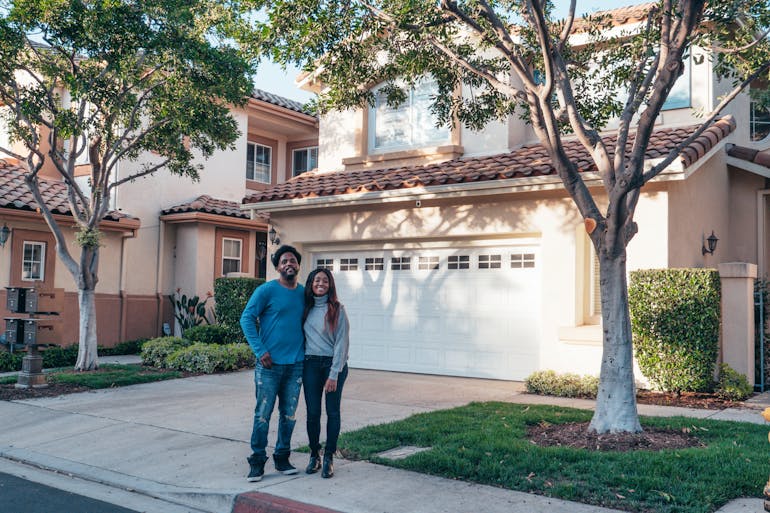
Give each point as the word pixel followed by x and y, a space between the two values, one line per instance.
pixel 333 310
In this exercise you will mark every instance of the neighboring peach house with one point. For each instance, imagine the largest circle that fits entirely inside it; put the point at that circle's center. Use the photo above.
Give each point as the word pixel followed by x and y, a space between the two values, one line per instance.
pixel 459 252
pixel 164 232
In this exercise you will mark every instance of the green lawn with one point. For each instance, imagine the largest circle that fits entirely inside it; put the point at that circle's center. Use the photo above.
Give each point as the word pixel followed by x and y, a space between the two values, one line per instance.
pixel 113 376
pixel 486 443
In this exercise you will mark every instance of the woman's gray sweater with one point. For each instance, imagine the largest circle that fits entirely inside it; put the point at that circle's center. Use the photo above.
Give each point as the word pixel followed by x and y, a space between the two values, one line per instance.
pixel 318 340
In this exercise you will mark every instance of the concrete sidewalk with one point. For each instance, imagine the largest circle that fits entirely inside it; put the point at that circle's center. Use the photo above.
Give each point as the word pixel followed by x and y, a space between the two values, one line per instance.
pixel 181 445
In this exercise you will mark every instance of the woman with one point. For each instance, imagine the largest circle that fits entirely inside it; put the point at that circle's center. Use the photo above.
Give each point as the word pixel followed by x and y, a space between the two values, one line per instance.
pixel 326 354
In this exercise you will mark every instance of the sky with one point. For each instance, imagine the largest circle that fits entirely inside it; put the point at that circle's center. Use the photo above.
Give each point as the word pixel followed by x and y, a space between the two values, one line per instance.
pixel 272 78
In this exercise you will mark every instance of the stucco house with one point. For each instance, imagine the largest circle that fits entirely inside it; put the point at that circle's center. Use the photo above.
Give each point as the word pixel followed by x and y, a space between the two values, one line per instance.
pixel 164 232
pixel 459 252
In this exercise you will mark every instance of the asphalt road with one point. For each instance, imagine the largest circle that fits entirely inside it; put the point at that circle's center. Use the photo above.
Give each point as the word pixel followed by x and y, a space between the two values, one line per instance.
pixel 18 495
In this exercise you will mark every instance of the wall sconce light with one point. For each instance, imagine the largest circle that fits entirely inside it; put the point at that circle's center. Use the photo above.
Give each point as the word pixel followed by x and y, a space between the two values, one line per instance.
pixel 274 238
pixel 5 232
pixel 711 240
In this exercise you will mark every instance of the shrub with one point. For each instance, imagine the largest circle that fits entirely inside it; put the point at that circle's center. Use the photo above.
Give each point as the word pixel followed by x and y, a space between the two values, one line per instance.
pixel 549 382
pixel 10 361
pixel 126 347
pixel 732 385
pixel 231 296
pixel 155 351
pixel 58 356
pixel 208 334
pixel 210 358
pixel 675 322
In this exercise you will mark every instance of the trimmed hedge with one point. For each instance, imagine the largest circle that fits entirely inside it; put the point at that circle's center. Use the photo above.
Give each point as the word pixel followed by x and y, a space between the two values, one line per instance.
pixel 549 382
pixel 156 351
pixel 231 296
pixel 210 358
pixel 208 334
pixel 675 320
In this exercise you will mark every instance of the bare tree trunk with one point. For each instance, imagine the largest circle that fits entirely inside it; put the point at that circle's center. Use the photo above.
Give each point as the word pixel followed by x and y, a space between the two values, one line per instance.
pixel 87 357
pixel 616 401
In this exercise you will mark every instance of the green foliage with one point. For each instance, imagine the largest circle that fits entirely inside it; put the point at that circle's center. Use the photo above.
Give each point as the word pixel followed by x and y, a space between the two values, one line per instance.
pixel 488 443
pixel 88 238
pixel 231 296
pixel 210 358
pixel 190 311
pixel 675 319
pixel 126 347
pixel 109 376
pixel 155 351
pixel 733 385
pixel 58 356
pixel 549 382
pixel 208 334
pixel 10 362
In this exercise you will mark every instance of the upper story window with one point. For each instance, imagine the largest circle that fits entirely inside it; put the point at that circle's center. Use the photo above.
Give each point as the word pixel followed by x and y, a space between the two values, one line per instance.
pixel 409 125
pixel 679 97
pixel 231 256
pixel 303 160
pixel 33 262
pixel 259 160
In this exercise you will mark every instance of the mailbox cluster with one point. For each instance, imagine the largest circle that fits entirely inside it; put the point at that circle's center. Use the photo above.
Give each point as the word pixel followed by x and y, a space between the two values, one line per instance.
pixel 38 329
pixel 34 302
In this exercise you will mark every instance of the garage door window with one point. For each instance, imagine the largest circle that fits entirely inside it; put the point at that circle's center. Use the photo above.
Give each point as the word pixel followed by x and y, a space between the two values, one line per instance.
pixel 459 262
pixel 428 263
pixel 490 261
pixel 348 264
pixel 522 260
pixel 400 263
pixel 325 263
pixel 374 264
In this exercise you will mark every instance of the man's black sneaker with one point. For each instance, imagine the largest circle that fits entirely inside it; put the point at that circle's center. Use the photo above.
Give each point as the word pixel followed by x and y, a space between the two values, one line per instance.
pixel 256 470
pixel 282 464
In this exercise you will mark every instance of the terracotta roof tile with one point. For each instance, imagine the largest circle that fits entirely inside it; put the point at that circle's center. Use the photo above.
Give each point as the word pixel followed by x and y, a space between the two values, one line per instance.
pixel 530 160
pixel 280 101
pixel 620 16
pixel 761 158
pixel 209 205
pixel 14 193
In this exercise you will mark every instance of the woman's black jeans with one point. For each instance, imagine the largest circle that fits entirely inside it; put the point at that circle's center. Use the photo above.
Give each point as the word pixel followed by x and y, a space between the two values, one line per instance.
pixel 314 376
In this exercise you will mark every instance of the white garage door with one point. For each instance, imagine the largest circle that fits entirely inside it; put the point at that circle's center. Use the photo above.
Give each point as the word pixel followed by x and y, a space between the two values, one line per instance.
pixel 455 311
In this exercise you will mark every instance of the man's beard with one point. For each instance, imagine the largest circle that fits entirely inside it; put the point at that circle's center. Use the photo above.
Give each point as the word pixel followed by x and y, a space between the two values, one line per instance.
pixel 291 278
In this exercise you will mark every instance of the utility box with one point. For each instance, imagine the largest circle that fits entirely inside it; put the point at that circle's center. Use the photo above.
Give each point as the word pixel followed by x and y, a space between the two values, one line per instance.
pixel 40 331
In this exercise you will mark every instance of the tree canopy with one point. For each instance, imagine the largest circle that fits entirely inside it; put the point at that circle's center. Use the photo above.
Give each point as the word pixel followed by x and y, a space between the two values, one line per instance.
pixel 95 83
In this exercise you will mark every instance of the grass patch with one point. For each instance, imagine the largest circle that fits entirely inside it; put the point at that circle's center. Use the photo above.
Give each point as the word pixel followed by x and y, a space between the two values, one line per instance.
pixel 109 376
pixel 487 443
pixel 8 380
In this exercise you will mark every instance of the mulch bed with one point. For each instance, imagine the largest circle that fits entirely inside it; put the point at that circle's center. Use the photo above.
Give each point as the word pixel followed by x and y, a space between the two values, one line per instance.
pixel 576 435
pixel 699 400
pixel 11 393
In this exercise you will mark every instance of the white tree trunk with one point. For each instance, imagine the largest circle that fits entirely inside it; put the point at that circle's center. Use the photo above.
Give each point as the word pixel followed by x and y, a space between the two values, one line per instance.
pixel 616 401
pixel 87 357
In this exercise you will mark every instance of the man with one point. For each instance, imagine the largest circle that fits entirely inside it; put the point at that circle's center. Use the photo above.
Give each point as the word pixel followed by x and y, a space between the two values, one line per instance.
pixel 278 346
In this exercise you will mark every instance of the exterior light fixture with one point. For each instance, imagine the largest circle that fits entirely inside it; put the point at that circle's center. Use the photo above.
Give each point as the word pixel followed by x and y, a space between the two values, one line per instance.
pixel 5 232
pixel 274 238
pixel 709 244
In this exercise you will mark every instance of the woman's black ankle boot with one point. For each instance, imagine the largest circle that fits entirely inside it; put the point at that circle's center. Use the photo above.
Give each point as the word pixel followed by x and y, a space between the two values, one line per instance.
pixel 328 466
pixel 314 465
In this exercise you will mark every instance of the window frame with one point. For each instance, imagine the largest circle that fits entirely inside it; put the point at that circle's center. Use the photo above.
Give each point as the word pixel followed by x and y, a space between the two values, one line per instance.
pixel 413 118
pixel 43 245
pixel 230 258
pixel 308 150
pixel 253 177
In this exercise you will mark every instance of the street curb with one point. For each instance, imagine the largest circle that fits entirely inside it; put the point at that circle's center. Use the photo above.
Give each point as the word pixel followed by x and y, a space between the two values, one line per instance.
pixel 259 502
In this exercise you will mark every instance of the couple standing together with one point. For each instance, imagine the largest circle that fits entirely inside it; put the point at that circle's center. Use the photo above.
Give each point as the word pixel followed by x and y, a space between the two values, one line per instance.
pixel 302 338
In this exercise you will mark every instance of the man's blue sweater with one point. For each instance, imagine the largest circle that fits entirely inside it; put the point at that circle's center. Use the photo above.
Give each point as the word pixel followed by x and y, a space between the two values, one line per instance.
pixel 279 311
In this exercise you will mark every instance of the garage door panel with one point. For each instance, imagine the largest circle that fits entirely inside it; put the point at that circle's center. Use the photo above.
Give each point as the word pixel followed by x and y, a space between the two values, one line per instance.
pixel 474 321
